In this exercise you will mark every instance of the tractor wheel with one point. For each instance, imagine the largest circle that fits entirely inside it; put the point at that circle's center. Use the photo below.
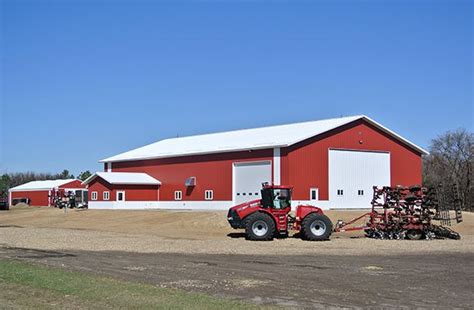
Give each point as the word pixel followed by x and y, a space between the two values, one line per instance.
pixel 414 234
pixel 259 226
pixel 316 227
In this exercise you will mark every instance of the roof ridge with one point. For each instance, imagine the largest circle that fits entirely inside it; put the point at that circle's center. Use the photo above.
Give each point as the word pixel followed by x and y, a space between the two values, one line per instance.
pixel 265 137
pixel 254 128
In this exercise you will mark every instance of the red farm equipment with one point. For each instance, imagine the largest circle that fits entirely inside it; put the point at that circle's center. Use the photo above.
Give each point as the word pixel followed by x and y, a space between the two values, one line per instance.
pixel 406 212
pixel 397 213
pixel 60 198
pixel 265 218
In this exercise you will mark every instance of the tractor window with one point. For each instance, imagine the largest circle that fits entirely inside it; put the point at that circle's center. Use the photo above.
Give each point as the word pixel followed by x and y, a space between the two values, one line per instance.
pixel 281 198
pixel 267 198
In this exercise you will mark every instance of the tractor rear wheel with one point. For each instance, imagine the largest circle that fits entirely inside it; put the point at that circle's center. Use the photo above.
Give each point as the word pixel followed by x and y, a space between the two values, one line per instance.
pixel 259 226
pixel 316 227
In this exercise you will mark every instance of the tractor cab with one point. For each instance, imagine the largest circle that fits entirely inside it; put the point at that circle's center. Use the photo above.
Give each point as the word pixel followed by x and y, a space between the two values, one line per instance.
pixel 276 197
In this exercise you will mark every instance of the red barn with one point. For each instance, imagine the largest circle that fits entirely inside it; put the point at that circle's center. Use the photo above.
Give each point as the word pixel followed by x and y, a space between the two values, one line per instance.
pixel 38 192
pixel 330 163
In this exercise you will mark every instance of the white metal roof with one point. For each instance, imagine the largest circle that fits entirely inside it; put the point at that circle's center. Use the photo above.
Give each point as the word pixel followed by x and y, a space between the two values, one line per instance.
pixel 246 139
pixel 130 178
pixel 40 185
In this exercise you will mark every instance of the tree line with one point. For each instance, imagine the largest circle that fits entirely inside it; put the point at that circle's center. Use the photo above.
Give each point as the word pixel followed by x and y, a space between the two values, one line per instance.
pixel 450 163
pixel 9 180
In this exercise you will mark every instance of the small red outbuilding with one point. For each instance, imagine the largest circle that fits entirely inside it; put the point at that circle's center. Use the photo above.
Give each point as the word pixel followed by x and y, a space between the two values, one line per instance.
pixel 112 187
pixel 38 192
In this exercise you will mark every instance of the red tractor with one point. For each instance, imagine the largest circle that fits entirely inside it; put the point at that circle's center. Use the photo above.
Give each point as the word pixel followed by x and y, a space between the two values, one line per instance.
pixel 269 217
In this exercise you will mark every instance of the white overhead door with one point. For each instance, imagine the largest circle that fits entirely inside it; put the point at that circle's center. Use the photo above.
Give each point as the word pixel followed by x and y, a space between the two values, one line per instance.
pixel 352 174
pixel 248 179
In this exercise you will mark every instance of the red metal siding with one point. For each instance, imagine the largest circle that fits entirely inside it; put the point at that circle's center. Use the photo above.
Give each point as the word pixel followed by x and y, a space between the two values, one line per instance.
pixel 38 198
pixel 73 184
pixel 100 186
pixel 212 171
pixel 305 165
pixel 132 192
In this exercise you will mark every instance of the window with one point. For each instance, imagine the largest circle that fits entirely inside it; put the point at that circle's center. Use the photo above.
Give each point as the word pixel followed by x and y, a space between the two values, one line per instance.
pixel 281 198
pixel 313 194
pixel 178 195
pixel 340 192
pixel 209 194
pixel 121 196
pixel 360 192
pixel 106 195
pixel 94 196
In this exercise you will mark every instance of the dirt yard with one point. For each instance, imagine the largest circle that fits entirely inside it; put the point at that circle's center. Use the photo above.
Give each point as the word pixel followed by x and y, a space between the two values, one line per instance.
pixel 199 252
pixel 192 232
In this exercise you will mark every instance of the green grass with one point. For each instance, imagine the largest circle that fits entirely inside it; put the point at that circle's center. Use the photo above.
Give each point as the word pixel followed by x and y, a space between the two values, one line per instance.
pixel 25 285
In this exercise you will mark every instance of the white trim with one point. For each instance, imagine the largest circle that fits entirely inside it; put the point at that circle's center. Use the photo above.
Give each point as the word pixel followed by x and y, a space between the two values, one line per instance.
pixel 108 195
pixel 109 166
pixel 397 136
pixel 124 178
pixel 44 185
pixel 43 189
pixel 117 196
pixel 357 150
pixel 31 190
pixel 213 205
pixel 94 193
pixel 9 197
pixel 276 166
pixel 178 195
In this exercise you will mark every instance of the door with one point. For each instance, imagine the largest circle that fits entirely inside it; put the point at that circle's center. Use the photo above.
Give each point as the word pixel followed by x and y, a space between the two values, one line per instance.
pixel 248 179
pixel 120 195
pixel 352 174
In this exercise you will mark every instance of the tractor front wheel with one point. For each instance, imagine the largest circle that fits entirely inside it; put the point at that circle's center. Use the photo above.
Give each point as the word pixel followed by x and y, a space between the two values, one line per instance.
pixel 316 227
pixel 260 227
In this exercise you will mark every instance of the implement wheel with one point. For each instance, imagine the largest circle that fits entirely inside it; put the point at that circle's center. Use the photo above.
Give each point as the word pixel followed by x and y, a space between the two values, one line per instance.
pixel 259 227
pixel 316 227
pixel 414 234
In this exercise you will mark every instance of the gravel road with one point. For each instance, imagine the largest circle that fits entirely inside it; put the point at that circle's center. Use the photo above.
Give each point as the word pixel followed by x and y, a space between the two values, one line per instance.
pixel 294 281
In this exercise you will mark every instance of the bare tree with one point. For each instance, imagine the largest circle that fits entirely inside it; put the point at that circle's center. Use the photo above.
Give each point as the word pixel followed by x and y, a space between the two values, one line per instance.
pixel 451 162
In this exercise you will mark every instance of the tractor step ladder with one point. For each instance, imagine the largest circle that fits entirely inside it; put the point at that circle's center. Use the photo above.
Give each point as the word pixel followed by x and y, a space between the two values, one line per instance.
pixel 457 204
pixel 442 210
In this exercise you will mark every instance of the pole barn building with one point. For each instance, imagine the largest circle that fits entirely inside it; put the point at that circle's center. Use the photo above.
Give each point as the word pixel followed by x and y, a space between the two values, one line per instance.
pixel 330 163
pixel 38 192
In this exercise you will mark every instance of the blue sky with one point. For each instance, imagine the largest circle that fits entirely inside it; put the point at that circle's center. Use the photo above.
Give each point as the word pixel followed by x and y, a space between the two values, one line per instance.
pixel 84 80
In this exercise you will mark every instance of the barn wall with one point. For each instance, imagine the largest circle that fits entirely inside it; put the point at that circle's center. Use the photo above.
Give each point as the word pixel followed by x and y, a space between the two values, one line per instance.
pixel 305 165
pixel 38 198
pixel 132 192
pixel 212 172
